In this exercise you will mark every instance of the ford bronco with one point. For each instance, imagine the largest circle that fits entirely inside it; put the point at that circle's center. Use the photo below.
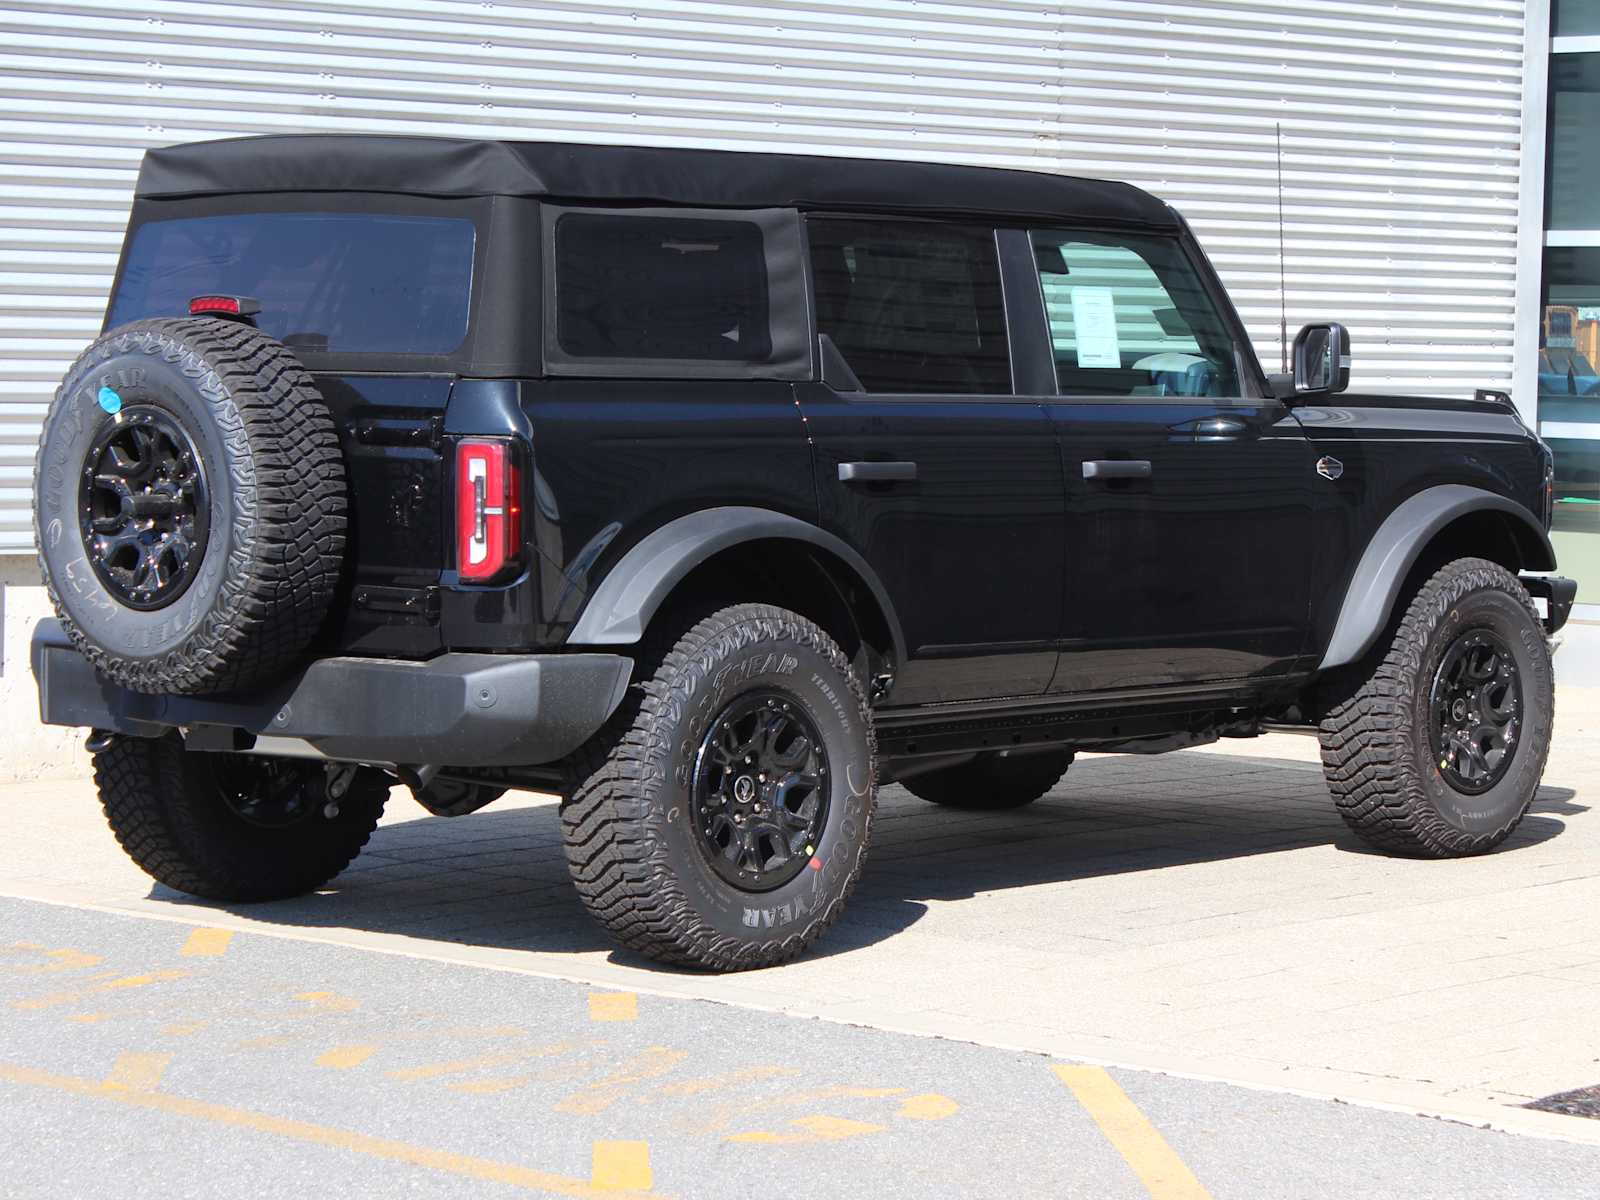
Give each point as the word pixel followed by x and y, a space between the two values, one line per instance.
pixel 712 491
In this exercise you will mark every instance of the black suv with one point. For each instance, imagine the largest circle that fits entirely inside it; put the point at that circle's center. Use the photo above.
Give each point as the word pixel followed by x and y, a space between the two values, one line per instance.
pixel 713 490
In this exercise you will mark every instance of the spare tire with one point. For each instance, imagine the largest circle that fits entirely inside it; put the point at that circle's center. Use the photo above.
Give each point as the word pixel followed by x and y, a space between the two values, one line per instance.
pixel 189 506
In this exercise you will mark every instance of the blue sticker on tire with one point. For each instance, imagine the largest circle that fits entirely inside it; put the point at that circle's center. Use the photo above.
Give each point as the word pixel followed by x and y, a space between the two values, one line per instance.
pixel 110 401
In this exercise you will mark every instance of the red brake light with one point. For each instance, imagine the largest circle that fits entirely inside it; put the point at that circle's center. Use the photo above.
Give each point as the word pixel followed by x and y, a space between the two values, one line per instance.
pixel 488 511
pixel 223 306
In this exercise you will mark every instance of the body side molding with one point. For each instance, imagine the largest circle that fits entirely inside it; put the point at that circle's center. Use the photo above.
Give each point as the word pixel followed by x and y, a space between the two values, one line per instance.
pixel 1394 548
pixel 620 608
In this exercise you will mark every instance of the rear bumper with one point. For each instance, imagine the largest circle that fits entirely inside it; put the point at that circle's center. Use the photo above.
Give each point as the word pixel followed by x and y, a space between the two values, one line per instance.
pixel 1558 592
pixel 458 710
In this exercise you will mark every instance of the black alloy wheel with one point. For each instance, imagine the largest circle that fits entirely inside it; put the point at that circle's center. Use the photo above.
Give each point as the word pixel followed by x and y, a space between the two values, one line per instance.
pixel 232 827
pixel 144 508
pixel 270 793
pixel 190 506
pixel 1437 747
pixel 722 817
pixel 760 798
pixel 1475 708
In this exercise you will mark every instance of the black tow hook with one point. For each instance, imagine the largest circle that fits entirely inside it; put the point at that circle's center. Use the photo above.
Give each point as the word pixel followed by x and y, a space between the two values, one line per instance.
pixel 99 741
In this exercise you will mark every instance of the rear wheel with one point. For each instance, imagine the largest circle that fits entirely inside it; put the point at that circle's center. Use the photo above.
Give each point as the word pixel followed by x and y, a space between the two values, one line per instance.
pixel 722 818
pixel 1439 751
pixel 231 826
pixel 992 782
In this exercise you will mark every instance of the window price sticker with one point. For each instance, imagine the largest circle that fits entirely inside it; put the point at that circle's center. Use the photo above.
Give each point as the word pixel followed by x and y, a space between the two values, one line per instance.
pixel 1094 320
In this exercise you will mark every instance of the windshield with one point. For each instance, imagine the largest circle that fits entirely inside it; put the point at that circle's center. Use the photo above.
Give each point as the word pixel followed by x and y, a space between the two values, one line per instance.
pixel 359 283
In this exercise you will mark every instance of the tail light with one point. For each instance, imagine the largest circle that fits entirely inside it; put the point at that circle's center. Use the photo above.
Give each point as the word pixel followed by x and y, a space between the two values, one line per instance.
pixel 488 509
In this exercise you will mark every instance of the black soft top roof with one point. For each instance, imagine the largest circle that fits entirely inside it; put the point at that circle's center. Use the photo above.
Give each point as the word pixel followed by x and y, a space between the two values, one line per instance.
pixel 428 166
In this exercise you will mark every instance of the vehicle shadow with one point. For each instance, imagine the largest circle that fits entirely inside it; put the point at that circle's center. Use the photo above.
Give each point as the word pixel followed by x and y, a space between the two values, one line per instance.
pixel 498 879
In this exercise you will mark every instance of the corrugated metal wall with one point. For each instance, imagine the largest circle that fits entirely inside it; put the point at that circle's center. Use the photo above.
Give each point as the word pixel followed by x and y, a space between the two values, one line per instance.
pixel 1400 124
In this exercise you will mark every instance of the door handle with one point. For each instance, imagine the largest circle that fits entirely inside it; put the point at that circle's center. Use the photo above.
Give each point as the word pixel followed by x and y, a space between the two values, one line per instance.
pixel 877 472
pixel 1215 428
pixel 1116 468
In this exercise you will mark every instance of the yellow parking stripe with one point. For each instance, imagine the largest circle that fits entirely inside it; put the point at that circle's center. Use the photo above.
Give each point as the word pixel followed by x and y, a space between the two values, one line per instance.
pixel 207 943
pixel 108 985
pixel 139 1072
pixel 613 1006
pixel 621 1167
pixel 930 1106
pixel 1157 1165
pixel 345 1058
pixel 483 1169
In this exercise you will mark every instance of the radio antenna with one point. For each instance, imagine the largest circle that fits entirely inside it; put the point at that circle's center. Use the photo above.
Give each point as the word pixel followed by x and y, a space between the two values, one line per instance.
pixel 1283 293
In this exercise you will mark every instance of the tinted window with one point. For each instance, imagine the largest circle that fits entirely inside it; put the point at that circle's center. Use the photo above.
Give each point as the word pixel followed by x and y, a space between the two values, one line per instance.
pixel 337 282
pixel 913 307
pixel 1129 316
pixel 1575 17
pixel 1572 170
pixel 661 288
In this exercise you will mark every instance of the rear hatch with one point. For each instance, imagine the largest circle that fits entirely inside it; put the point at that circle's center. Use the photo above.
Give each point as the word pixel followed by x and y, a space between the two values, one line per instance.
pixel 374 295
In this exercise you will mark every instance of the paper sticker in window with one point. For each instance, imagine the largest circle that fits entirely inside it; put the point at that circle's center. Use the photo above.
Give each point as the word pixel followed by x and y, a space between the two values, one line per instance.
pixel 1094 319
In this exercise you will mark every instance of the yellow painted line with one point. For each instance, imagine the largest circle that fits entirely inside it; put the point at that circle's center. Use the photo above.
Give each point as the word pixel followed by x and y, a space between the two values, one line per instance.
pixel 808 1131
pixel 621 1167
pixel 613 1006
pixel 139 1072
pixel 344 1058
pixel 461 1066
pixel 723 1083
pixel 65 959
pixel 110 985
pixel 133 981
pixel 930 1106
pixel 482 1169
pixel 1157 1165
pixel 206 942
pixel 655 1062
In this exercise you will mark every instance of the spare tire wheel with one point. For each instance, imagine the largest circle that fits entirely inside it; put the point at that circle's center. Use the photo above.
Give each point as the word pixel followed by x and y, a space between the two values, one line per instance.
pixel 189 506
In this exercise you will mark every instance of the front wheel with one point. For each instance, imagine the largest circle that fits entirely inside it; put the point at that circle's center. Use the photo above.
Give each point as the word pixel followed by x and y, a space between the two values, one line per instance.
pixel 723 817
pixel 1438 753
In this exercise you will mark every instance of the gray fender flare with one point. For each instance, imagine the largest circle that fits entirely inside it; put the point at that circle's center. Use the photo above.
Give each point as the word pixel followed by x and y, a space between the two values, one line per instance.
pixel 1393 550
pixel 620 608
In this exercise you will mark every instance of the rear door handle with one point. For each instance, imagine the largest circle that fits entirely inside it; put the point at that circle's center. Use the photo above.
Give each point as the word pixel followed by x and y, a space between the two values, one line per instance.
pixel 877 472
pixel 1116 468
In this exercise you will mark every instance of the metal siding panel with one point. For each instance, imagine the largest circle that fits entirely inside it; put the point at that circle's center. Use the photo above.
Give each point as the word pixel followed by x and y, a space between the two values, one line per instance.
pixel 1400 144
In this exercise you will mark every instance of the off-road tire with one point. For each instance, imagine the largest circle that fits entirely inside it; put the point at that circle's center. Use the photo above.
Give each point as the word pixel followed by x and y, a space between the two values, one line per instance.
pixel 992 782
pixel 271 561
pixel 1376 748
pixel 633 854
pixel 162 803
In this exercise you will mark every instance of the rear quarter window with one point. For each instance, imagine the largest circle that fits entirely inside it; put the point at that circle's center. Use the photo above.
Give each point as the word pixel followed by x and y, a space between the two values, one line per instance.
pixel 335 283
pixel 675 293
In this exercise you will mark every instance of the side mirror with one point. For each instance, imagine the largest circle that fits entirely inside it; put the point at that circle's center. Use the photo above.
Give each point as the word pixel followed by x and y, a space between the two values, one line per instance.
pixel 1322 358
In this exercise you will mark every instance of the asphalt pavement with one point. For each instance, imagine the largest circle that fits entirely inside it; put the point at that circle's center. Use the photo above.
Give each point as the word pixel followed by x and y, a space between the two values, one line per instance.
pixel 143 1057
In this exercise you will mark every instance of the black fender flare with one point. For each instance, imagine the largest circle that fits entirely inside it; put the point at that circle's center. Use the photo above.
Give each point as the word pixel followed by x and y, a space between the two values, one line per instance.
pixel 1394 549
pixel 620 608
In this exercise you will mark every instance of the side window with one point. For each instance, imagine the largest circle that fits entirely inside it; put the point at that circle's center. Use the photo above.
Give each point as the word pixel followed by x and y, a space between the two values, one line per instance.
pixel 652 292
pixel 1129 316
pixel 912 306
